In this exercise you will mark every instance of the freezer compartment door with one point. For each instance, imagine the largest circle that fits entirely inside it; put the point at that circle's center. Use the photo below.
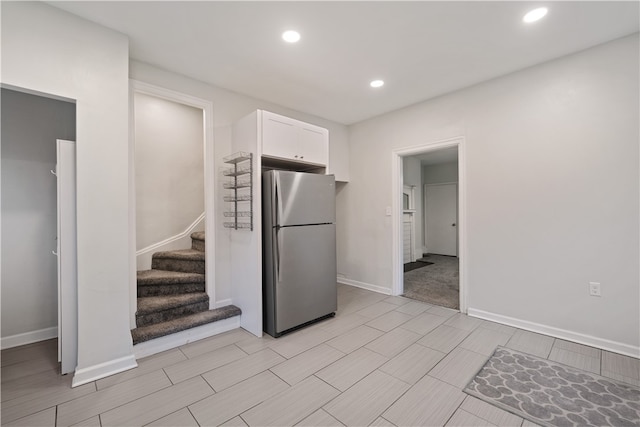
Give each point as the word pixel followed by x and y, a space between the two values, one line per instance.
pixel 305 274
pixel 304 198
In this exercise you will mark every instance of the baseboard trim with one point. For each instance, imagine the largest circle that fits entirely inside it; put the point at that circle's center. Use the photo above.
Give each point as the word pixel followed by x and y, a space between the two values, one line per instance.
pixel 363 285
pixel 102 370
pixel 604 344
pixel 168 342
pixel 28 337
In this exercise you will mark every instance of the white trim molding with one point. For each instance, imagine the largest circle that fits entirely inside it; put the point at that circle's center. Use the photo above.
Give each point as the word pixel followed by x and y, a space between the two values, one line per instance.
pixel 601 343
pixel 363 285
pixel 102 370
pixel 182 240
pixel 396 210
pixel 168 342
pixel 29 337
pixel 186 233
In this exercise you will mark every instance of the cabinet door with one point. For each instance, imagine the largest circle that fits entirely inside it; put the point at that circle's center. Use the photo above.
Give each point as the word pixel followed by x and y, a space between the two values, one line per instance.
pixel 313 144
pixel 279 136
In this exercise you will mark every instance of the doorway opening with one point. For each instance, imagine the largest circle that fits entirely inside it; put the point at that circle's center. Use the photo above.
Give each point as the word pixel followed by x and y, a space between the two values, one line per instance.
pixel 428 223
pixel 39 285
pixel 170 180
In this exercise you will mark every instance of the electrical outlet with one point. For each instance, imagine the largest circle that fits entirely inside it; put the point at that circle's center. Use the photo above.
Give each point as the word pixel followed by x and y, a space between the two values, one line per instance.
pixel 594 289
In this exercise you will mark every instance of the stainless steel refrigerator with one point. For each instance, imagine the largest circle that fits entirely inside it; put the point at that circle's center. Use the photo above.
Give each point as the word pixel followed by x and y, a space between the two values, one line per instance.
pixel 299 249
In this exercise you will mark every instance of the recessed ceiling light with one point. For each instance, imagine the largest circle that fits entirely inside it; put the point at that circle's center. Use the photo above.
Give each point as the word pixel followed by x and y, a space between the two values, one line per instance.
pixel 291 36
pixel 376 83
pixel 535 15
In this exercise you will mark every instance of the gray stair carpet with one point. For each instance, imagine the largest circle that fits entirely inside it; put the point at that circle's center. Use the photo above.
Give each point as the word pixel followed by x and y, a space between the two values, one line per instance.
pixel 172 297
pixel 162 282
pixel 168 307
pixel 145 333
pixel 183 260
pixel 197 241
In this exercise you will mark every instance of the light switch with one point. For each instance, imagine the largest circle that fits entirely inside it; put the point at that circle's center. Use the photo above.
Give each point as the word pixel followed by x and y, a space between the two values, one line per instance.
pixel 388 210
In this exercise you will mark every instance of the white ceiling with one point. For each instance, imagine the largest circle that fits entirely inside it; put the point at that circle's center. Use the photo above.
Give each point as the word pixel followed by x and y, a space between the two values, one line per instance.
pixel 421 49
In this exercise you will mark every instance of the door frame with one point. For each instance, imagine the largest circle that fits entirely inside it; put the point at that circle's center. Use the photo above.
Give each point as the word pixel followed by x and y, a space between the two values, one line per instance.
pixel 136 86
pixel 397 155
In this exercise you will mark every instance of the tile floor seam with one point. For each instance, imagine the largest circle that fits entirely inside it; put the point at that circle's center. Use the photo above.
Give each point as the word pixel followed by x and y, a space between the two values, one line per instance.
pixel 128 401
pixel 240 348
pixel 378 414
pixel 125 403
pixel 329 384
pixel 550 348
pixel 458 408
pixel 481 354
pixel 193 415
pixel 468 396
pixel 183 353
pixel 278 376
pixel 48 386
pixel 150 422
pixel 387 420
pixel 448 383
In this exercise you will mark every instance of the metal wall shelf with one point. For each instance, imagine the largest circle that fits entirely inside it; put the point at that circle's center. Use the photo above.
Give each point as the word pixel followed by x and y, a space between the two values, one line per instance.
pixel 241 183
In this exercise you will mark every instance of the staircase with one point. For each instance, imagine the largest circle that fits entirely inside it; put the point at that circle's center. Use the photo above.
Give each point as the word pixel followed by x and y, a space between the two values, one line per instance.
pixel 172 296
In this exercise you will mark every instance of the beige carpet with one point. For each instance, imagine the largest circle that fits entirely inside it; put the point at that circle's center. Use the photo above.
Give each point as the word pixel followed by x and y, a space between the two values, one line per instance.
pixel 436 284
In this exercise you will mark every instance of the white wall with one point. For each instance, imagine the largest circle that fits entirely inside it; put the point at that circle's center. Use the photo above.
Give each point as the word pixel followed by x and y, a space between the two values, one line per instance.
pixel 440 173
pixel 50 51
pixel 228 107
pixel 169 165
pixel 30 127
pixel 412 176
pixel 552 192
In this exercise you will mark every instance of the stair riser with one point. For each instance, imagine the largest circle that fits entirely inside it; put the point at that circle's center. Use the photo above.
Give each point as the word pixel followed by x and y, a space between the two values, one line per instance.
pixel 176 289
pixel 156 331
pixel 173 313
pixel 185 266
pixel 198 245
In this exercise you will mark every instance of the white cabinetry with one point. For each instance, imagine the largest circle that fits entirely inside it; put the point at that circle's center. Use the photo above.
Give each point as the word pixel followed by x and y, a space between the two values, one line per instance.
pixel 293 140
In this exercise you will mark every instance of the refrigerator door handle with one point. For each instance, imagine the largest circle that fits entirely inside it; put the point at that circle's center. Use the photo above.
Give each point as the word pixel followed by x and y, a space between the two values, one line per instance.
pixel 276 250
pixel 275 205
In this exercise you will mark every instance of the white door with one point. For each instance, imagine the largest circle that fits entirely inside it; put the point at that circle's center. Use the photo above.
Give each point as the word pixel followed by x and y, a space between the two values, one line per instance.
pixel 67 260
pixel 441 213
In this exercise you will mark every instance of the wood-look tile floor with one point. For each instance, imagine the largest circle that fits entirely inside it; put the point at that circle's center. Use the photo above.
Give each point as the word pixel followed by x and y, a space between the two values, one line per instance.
pixel 381 361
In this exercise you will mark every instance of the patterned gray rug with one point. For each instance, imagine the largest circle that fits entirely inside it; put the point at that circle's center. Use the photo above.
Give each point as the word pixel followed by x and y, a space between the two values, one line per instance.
pixel 552 394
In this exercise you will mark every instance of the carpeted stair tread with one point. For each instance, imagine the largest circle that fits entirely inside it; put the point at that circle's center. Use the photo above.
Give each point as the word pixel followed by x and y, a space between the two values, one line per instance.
pixel 181 254
pixel 163 277
pixel 147 305
pixel 197 241
pixel 198 235
pixel 184 260
pixel 146 333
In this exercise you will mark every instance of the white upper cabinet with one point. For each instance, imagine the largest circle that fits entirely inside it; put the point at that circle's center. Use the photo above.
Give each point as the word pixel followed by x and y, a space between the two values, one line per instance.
pixel 293 140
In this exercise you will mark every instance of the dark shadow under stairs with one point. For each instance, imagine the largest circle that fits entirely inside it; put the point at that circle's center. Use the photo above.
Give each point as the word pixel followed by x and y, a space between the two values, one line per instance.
pixel 172 296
